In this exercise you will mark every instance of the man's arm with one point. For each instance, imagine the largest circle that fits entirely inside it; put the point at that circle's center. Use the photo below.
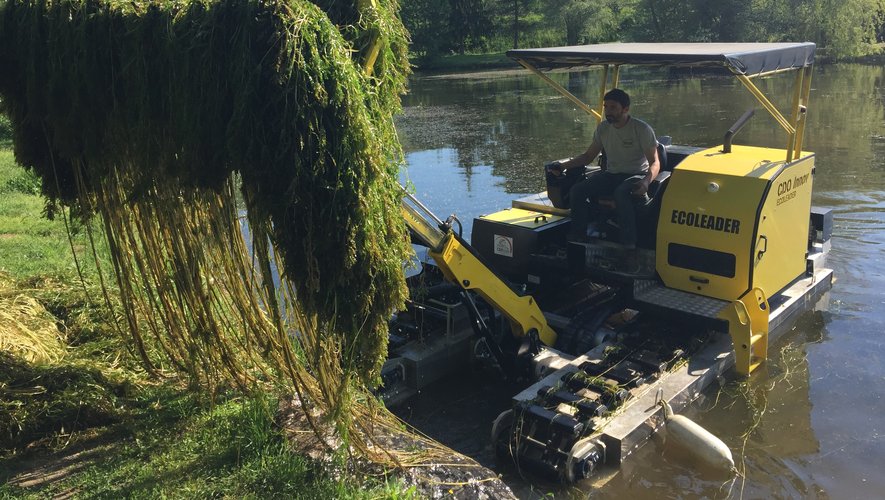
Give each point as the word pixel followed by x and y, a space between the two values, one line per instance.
pixel 654 166
pixel 582 159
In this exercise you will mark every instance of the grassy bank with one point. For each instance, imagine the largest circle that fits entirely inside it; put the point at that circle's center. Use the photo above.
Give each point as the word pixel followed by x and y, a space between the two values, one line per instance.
pixel 465 62
pixel 30 245
pixel 79 416
pixel 172 446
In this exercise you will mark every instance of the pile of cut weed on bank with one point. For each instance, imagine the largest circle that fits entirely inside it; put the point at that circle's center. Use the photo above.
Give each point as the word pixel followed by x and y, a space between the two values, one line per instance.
pixel 51 401
pixel 61 369
pixel 155 118
pixel 87 419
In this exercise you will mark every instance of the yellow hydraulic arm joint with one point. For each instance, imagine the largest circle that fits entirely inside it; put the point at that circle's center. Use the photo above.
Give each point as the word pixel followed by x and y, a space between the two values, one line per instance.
pixel 459 265
pixel 748 325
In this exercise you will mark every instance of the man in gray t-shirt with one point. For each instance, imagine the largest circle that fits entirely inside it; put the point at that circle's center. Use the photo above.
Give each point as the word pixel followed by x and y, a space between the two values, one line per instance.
pixel 632 163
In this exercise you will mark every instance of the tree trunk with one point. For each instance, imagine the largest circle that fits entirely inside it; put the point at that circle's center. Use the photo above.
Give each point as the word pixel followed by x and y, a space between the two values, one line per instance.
pixel 572 30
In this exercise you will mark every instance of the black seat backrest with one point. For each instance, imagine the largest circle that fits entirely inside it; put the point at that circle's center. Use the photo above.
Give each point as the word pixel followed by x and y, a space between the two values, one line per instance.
pixel 662 157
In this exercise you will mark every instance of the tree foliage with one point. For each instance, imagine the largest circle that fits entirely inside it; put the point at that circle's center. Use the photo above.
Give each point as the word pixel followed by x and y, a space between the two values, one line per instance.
pixel 843 28
pixel 443 27
pixel 584 21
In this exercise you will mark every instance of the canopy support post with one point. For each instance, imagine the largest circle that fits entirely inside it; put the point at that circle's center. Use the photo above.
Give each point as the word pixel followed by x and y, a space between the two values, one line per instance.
pixel 603 83
pixel 616 75
pixel 803 110
pixel 778 117
pixel 559 88
pixel 797 101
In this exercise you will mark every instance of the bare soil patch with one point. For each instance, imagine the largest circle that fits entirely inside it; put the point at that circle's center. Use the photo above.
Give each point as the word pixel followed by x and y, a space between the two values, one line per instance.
pixel 459 477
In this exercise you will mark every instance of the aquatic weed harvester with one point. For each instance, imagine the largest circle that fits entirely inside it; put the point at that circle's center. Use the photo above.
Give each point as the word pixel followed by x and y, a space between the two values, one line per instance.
pixel 730 250
pixel 155 116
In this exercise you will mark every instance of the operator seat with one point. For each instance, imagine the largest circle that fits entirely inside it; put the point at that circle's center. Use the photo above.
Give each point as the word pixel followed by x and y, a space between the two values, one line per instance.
pixel 559 186
pixel 655 185
pixel 647 208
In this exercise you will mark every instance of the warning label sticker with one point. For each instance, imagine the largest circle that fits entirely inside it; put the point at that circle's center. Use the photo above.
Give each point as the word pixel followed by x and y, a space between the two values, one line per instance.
pixel 503 245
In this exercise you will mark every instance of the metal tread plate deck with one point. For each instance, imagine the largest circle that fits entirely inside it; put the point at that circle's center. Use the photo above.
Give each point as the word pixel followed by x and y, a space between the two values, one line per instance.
pixel 653 293
pixel 630 427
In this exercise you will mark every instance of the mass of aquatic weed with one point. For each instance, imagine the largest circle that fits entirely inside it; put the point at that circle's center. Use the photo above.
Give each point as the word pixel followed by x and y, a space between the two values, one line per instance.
pixel 177 124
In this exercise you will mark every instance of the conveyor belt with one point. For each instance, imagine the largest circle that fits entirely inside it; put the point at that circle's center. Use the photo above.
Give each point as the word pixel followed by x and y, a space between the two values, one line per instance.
pixel 616 403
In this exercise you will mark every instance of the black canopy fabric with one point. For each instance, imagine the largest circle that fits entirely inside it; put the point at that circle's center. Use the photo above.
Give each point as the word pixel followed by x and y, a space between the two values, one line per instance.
pixel 742 58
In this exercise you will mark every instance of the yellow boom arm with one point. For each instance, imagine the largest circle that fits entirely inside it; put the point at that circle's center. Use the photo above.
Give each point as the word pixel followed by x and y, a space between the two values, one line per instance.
pixel 461 266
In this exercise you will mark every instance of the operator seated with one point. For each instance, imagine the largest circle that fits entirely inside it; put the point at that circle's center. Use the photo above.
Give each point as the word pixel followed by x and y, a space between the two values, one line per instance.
pixel 632 164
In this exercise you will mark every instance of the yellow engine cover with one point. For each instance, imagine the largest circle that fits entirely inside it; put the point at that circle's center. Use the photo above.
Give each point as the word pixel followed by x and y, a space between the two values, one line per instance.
pixel 733 222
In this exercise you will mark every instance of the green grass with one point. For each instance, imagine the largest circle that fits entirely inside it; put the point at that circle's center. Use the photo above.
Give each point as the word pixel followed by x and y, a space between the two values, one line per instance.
pixel 142 438
pixel 177 448
pixel 460 62
pixel 30 244
pixel 5 132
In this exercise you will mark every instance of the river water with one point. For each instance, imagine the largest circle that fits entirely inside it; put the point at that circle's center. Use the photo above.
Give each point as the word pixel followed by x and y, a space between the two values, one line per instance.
pixel 811 423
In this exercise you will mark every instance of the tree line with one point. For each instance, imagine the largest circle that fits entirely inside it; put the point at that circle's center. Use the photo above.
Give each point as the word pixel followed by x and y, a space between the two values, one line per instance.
pixel 843 28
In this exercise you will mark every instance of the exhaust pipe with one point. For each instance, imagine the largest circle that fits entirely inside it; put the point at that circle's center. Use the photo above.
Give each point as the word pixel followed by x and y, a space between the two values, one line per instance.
pixel 738 125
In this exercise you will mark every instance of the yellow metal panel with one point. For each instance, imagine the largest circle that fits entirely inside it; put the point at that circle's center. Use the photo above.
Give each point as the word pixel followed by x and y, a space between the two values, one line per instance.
pixel 748 326
pixel 743 161
pixel 782 240
pixel 717 208
pixel 717 219
pixel 523 218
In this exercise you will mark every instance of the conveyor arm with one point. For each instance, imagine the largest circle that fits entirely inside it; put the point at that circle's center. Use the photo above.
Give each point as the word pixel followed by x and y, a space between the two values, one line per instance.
pixel 459 264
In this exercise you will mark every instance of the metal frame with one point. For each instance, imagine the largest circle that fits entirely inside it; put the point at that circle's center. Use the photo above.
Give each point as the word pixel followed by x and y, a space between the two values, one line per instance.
pixel 794 126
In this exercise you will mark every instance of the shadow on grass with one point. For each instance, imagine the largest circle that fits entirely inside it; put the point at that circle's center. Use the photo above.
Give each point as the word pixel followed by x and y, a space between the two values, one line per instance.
pixel 179 447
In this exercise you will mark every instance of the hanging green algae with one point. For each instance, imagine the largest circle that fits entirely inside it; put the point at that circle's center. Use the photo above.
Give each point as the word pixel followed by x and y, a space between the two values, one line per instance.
pixel 294 102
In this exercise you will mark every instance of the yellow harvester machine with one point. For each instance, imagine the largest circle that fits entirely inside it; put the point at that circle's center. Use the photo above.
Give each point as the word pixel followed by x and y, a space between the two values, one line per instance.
pixel 732 250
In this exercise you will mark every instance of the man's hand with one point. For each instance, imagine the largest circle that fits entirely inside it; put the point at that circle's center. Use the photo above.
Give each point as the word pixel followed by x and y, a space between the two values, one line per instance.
pixel 554 167
pixel 640 187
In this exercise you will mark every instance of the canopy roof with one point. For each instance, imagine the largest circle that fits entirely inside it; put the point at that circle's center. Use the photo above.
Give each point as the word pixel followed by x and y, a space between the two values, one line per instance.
pixel 742 58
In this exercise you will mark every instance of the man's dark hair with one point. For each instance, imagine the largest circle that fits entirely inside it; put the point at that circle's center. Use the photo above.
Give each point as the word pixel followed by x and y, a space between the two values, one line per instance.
pixel 619 96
